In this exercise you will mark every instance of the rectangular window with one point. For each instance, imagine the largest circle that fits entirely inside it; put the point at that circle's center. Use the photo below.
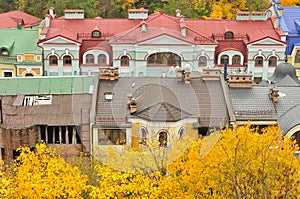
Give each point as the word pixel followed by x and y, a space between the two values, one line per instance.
pixel 60 134
pixel 7 74
pixel 111 136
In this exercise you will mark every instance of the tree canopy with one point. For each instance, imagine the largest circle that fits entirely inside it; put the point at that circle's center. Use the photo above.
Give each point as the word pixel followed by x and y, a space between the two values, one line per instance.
pixel 242 162
pixel 225 9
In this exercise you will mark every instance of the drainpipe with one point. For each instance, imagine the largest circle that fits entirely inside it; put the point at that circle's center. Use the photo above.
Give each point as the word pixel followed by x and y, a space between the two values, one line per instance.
pixel 225 69
pixel 1 112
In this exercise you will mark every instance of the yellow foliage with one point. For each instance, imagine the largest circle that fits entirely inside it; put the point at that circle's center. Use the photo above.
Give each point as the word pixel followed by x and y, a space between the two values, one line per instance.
pixel 235 163
pixel 42 174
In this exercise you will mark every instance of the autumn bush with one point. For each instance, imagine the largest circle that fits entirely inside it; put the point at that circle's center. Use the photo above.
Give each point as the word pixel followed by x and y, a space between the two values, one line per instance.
pixel 241 162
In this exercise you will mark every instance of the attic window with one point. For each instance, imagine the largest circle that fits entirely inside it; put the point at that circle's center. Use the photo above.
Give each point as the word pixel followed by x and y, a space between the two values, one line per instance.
pixel 229 35
pixel 3 52
pixel 32 100
pixel 96 34
pixel 108 96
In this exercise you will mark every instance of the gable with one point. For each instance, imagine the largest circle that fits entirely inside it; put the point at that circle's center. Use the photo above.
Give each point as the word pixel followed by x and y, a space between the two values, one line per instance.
pixel 164 40
pixel 59 40
pixel 268 41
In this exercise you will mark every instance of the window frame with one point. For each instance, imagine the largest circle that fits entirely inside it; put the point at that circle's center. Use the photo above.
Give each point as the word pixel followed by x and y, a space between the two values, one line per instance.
pixel 228 35
pixel 223 58
pixel 96 34
pixel 274 58
pixel 124 61
pixel 235 58
pixel 90 59
pixel 256 61
pixel 297 57
pixel 51 60
pixel 101 57
pixel 66 60
pixel 163 59
pixel 202 62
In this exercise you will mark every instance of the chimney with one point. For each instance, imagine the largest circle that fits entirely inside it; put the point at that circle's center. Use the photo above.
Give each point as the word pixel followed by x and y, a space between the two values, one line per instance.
pixel 132 106
pixel 141 13
pixel 210 74
pixel 240 80
pixel 180 74
pixel 178 13
pixel 109 74
pixel 187 77
pixel 47 20
pixel 274 94
pixel 51 12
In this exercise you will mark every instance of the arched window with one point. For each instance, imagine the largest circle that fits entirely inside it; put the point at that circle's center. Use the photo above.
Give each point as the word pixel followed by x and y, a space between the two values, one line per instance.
pixel 67 60
pixel 202 61
pixel 143 135
pixel 53 61
pixel 96 34
pixel 223 58
pixel 28 75
pixel 297 57
pixel 181 132
pixel 163 138
pixel 124 60
pixel 228 35
pixel 90 59
pixel 273 61
pixel 259 61
pixel 4 52
pixel 164 59
pixel 236 59
pixel 101 59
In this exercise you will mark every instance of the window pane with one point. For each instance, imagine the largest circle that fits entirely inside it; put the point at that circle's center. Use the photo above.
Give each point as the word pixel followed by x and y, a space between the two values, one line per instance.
pixel 67 60
pixel 102 59
pixel 202 61
pixel 236 59
pixel 297 57
pixel 223 58
pixel 259 61
pixel 124 61
pixel 53 60
pixel 90 59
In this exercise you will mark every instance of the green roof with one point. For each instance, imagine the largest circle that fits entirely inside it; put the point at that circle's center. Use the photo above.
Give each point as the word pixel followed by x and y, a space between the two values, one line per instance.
pixel 19 41
pixel 46 85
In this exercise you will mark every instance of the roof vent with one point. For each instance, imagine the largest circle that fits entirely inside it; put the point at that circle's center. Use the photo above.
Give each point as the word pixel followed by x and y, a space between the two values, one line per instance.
pixel 109 74
pixel 210 74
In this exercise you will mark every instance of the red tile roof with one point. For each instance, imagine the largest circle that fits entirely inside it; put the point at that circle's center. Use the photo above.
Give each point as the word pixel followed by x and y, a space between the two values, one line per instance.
pixel 11 19
pixel 123 30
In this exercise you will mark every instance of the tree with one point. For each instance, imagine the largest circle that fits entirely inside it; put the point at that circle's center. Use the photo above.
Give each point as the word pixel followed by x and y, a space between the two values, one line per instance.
pixel 244 163
pixel 41 174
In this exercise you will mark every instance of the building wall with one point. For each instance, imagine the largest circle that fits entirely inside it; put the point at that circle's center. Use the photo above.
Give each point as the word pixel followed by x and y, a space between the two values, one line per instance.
pixel 7 68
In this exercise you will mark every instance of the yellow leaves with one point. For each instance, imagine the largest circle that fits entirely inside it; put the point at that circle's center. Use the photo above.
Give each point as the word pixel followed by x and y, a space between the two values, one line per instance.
pixel 242 163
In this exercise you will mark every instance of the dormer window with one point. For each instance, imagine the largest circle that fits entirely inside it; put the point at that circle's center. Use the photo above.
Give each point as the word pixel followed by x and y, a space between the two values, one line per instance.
pixel 4 52
pixel 90 59
pixel 96 34
pixel 229 35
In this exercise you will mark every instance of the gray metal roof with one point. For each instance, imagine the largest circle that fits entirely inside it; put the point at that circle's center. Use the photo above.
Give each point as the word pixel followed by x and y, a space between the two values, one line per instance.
pixel 161 99
pixel 289 119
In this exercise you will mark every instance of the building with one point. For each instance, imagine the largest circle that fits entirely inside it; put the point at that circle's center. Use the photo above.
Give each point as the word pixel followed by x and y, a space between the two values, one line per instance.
pixel 135 110
pixel 52 110
pixel 14 19
pixel 289 20
pixel 154 44
pixel 272 102
pixel 19 54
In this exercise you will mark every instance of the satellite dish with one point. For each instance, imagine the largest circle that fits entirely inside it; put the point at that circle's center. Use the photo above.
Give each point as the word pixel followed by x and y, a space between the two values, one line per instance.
pixel 177 68
pixel 187 67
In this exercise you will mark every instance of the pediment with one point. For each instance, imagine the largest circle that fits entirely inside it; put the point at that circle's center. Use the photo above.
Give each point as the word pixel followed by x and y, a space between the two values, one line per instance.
pixel 268 41
pixel 59 40
pixel 165 40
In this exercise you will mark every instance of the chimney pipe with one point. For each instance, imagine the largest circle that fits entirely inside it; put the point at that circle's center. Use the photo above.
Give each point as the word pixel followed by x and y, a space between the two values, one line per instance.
pixel 132 106
pixel 225 69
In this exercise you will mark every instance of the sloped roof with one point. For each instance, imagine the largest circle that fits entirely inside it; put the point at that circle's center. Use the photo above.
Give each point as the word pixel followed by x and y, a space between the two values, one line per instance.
pixel 289 15
pixel 171 25
pixel 11 19
pixel 46 85
pixel 64 110
pixel 290 119
pixel 201 99
pixel 281 71
pixel 252 104
pixel 20 41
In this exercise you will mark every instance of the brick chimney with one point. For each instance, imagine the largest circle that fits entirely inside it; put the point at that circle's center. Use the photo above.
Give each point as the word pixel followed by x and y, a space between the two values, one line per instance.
pixel 109 74
pixel 132 106
pixel 240 80
pixel 210 74
pixel 187 77
pixel 274 94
